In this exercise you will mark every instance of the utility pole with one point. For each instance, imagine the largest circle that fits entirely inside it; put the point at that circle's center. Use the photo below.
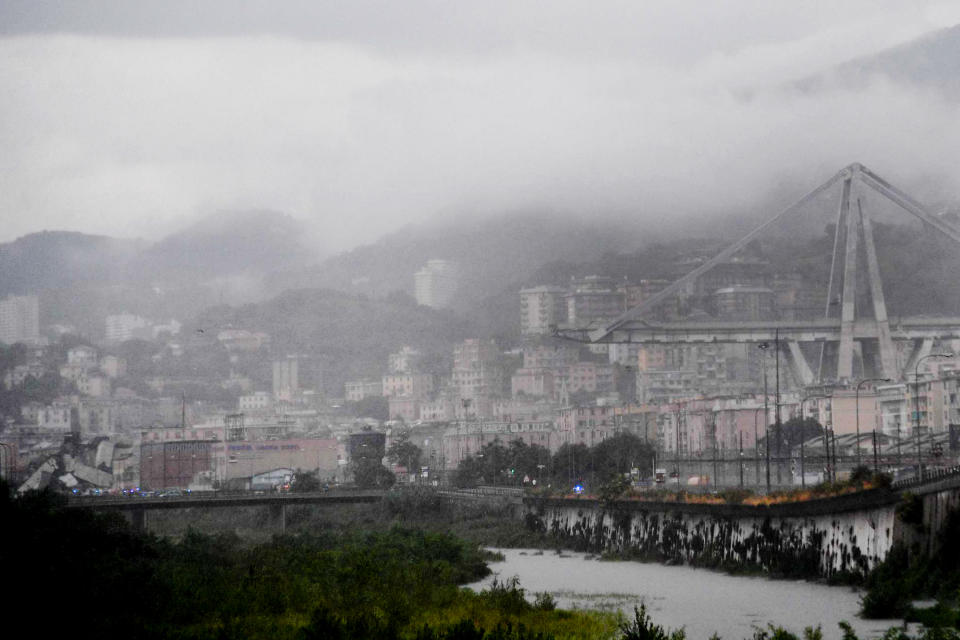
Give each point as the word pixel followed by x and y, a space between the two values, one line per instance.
pixel 741 459
pixel 776 408
pixel 763 346
pixel 679 416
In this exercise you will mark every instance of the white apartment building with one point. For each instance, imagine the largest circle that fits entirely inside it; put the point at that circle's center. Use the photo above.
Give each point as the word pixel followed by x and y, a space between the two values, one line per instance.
pixel 436 284
pixel 541 308
pixel 286 378
pixel 20 319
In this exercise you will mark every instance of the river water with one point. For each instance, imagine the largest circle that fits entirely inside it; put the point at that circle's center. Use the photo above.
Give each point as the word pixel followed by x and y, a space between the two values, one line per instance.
pixel 702 601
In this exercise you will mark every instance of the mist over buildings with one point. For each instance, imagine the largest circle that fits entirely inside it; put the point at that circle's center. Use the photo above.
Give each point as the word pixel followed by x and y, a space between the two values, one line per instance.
pixel 128 120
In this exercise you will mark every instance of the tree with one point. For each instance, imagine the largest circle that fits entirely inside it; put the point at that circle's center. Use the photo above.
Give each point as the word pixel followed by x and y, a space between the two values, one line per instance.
pixel 370 474
pixel 525 459
pixel 305 481
pixel 619 454
pixel 404 452
pixel 791 433
pixel 572 462
pixel 469 472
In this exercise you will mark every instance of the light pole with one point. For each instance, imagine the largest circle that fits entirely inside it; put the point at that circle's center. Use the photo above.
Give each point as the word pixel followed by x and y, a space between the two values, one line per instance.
pixel 763 346
pixel 857 396
pixel 679 414
pixel 756 444
pixel 803 473
pixel 741 459
pixel 776 405
pixel 916 403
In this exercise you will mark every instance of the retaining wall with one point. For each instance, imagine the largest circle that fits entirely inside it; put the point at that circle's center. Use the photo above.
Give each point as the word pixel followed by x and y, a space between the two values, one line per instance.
pixel 847 535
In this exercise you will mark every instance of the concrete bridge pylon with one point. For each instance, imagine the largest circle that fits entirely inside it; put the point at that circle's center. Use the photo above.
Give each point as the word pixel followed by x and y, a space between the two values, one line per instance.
pixel 855 326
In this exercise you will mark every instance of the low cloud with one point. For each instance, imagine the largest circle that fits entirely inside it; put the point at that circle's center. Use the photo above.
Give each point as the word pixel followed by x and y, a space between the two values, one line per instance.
pixel 133 136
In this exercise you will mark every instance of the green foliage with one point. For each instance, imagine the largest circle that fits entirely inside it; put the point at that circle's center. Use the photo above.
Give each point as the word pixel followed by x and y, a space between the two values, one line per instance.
pixel 614 489
pixel 848 632
pixel 507 596
pixel 544 602
pixel 774 632
pixel 643 628
pixel 813 633
pixel 902 576
pixel 353 585
pixel 502 465
pixel 885 595
pixel 862 473
pixel 792 432
pixel 619 454
pixel 405 453
pixel 370 474
pixel 305 481
pixel 910 510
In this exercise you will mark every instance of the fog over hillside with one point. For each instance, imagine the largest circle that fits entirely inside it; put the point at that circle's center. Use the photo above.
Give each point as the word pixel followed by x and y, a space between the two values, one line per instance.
pixel 358 123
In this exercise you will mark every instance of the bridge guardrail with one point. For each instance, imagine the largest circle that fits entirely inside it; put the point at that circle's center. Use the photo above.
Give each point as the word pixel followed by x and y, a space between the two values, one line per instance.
pixel 928 476
pixel 210 496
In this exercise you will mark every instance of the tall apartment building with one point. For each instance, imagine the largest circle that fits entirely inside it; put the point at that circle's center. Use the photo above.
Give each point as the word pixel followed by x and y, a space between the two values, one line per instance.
pixel 286 378
pixel 594 300
pixel 636 292
pixel 20 319
pixel 476 370
pixel 540 308
pixel 436 284
pixel 745 303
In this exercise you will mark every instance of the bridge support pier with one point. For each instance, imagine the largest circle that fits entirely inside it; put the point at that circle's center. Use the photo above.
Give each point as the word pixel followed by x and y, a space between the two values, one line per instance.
pixel 138 520
pixel 278 516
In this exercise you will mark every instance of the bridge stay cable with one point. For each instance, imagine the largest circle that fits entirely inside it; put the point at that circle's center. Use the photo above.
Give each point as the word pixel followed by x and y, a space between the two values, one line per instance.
pixel 853 244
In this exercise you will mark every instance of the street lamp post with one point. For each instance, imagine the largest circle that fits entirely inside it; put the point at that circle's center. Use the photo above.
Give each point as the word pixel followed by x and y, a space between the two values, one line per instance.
pixel 916 404
pixel 857 401
pixel 803 474
pixel 756 444
pixel 741 459
pixel 763 346
pixel 679 415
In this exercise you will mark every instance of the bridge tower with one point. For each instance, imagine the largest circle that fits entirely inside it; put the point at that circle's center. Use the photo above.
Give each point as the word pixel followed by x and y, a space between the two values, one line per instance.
pixel 855 299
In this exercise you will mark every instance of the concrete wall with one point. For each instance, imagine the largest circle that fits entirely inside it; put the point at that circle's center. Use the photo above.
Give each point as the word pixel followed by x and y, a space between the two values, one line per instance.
pixel 825 538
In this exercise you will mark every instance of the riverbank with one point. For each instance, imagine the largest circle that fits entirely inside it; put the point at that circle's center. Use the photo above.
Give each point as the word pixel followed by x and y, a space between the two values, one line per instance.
pixel 104 579
pixel 702 602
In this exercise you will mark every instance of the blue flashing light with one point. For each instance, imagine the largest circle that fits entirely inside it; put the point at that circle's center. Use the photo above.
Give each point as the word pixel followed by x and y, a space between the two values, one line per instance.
pixel 578 489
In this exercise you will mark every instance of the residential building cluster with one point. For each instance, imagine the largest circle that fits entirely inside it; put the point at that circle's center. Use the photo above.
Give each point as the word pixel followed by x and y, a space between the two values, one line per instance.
pixel 121 327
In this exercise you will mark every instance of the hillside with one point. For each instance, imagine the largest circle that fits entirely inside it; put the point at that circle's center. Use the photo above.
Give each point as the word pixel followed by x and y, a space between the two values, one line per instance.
pixel 51 259
pixel 230 243
pixel 491 252
pixel 350 335
pixel 931 62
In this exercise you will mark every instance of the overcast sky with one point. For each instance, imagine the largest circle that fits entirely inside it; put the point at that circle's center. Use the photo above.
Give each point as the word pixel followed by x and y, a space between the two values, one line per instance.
pixel 131 118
